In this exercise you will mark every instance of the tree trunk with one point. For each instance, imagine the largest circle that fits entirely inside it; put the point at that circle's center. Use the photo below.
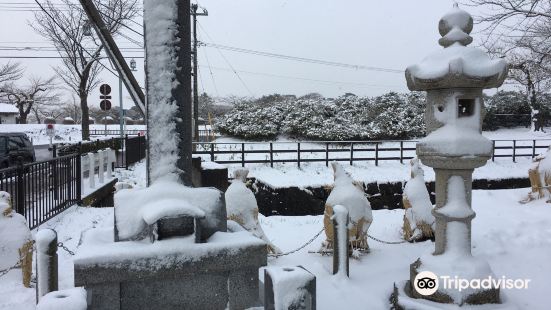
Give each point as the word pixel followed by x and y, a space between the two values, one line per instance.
pixel 85 116
pixel 22 118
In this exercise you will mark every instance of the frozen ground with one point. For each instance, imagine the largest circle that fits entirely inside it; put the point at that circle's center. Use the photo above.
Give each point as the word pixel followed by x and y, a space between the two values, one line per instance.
pixel 513 238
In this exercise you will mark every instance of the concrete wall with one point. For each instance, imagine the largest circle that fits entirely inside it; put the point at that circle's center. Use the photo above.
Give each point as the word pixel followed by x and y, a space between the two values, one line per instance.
pixel 295 201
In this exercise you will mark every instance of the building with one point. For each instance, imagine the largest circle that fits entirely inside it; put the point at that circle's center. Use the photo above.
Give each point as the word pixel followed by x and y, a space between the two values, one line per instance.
pixel 8 113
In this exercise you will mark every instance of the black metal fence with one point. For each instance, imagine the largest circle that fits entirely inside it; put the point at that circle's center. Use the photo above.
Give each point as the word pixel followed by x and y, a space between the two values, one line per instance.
pixel 350 151
pixel 205 135
pixel 134 150
pixel 116 132
pixel 41 190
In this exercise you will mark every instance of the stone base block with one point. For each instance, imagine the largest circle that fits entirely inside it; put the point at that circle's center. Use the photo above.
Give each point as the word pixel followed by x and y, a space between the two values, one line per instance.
pixel 449 293
pixel 401 299
pixel 175 273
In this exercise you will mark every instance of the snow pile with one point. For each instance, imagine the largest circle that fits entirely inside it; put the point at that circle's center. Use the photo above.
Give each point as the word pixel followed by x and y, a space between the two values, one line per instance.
pixel 69 299
pixel 14 233
pixel 162 53
pixel 350 195
pixel 170 208
pixel 98 247
pixel 138 208
pixel 289 285
pixel 458 60
pixel 418 219
pixel 242 208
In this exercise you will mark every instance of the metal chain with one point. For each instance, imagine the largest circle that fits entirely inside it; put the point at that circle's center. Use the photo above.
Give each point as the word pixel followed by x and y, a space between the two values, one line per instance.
pixel 386 242
pixel 61 245
pixel 18 264
pixel 300 248
pixel 6 271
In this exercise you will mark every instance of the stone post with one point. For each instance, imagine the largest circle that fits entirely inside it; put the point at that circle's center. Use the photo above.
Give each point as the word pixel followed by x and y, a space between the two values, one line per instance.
pixel 46 262
pixel 289 288
pixel 340 220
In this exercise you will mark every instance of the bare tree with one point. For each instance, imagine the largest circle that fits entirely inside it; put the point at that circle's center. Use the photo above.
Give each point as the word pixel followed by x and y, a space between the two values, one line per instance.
pixel 38 92
pixel 10 72
pixel 519 30
pixel 66 26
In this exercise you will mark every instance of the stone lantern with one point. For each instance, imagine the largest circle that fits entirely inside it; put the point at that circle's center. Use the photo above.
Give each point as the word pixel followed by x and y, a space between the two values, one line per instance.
pixel 454 78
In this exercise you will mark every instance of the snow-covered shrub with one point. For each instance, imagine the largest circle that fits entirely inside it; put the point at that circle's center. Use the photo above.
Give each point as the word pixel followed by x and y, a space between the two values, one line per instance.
pixel 398 118
pixel 349 117
pixel 251 121
pixel 504 109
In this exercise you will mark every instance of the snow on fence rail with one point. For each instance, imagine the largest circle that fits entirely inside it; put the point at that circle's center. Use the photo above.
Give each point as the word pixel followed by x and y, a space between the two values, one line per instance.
pixel 343 151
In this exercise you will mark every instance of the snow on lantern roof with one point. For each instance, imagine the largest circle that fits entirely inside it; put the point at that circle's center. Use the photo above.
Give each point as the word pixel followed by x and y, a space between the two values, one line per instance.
pixel 457 65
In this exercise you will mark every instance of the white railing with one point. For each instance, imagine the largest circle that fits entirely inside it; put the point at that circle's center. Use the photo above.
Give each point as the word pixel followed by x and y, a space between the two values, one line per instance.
pixel 97 165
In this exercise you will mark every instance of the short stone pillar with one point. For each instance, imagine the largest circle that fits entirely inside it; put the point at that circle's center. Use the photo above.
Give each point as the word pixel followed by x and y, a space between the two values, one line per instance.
pixel 340 220
pixel 289 288
pixel 46 262
pixel 454 78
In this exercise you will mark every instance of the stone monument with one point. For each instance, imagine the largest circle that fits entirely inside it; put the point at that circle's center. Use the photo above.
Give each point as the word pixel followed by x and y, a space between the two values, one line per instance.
pixel 454 78
pixel 169 247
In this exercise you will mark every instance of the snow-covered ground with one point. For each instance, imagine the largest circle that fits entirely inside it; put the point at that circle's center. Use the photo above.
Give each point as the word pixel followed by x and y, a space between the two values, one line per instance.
pixel 512 237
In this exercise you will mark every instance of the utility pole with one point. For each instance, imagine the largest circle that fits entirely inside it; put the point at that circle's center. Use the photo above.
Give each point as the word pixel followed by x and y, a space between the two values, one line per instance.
pixel 194 13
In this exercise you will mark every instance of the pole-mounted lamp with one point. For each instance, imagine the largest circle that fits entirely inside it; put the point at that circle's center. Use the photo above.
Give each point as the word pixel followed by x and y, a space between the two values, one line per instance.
pixel 133 64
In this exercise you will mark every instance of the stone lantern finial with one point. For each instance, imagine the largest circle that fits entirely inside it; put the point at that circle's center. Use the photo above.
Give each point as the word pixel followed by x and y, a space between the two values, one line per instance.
pixel 455 27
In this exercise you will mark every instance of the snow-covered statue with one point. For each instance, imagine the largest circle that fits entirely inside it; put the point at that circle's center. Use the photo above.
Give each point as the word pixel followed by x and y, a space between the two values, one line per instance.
pixel 351 195
pixel 242 208
pixel 418 219
pixel 540 178
pixel 16 244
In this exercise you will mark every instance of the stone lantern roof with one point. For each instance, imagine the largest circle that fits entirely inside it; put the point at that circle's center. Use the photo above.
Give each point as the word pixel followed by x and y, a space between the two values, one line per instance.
pixel 457 65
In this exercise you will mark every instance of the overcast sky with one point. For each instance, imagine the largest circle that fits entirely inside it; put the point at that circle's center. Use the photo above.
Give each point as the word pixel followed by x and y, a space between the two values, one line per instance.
pixel 390 34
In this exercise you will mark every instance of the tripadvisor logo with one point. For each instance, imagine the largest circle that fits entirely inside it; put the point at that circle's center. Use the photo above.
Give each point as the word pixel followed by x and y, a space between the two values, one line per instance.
pixel 426 283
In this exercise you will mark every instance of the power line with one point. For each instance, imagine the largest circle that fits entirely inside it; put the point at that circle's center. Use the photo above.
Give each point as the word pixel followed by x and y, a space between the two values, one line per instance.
pixel 229 64
pixel 301 59
pixel 305 79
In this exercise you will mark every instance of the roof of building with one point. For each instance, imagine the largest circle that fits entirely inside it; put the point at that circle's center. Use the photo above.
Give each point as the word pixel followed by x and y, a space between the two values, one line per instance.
pixel 8 108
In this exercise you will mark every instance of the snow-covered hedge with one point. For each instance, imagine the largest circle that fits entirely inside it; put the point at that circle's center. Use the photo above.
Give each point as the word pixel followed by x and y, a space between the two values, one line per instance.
pixel 390 116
